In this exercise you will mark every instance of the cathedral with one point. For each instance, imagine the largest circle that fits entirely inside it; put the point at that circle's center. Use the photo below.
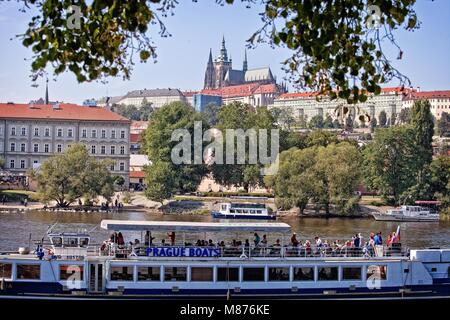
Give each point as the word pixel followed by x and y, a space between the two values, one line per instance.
pixel 220 73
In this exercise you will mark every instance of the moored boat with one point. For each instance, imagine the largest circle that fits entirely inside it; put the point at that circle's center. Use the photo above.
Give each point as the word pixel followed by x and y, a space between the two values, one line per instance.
pixel 72 268
pixel 243 211
pixel 407 213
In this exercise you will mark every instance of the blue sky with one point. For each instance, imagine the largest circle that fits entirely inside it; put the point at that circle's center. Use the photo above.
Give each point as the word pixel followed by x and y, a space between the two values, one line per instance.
pixel 197 27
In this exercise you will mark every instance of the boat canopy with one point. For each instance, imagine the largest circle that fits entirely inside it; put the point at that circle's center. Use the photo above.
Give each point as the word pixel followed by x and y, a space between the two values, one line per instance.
pixel 183 226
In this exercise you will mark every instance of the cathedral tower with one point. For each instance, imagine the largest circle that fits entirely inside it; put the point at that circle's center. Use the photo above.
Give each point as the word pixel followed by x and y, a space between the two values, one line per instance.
pixel 209 74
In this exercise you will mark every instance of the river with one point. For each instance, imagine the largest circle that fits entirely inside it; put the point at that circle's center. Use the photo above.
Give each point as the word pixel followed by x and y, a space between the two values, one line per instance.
pixel 16 228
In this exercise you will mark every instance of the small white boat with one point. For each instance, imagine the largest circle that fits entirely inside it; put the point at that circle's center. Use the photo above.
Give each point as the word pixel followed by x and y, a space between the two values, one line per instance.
pixel 243 211
pixel 407 213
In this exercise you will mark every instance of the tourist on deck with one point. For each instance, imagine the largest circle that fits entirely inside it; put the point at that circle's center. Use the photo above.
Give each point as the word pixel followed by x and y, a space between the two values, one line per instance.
pixel 294 241
pixel 113 237
pixel 378 240
pixel 148 239
pixel 256 239
pixel 264 241
pixel 277 243
pixel 163 243
pixel 247 244
pixel 120 239
pixel 172 238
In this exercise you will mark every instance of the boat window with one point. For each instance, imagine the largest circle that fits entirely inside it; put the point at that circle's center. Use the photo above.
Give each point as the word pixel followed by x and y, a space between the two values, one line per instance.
pixel 253 274
pixel 304 274
pixel 201 274
pixel 149 273
pixel 224 207
pixel 278 274
pixel 351 273
pixel 175 273
pixel 328 274
pixel 29 271
pixel 71 242
pixel 227 274
pixel 57 241
pixel 252 211
pixel 84 242
pixel 232 211
pixel 377 272
pixel 6 270
pixel 122 273
pixel 71 272
pixel 258 211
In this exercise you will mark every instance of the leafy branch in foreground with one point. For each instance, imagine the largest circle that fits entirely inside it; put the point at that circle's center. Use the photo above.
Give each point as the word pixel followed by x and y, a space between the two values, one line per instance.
pixel 336 45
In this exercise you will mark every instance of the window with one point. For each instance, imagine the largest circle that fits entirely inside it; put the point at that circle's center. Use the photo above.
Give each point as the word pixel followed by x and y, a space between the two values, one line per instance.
pixel 83 133
pixel 113 134
pixel 84 242
pixel 175 273
pixel 121 273
pixel 36 147
pixel 71 272
pixel 377 272
pixel 6 270
pixel 46 147
pixel 253 274
pixel 149 273
pixel 122 166
pixel 13 131
pixel 36 132
pixel 351 273
pixel 328 274
pixel 13 147
pixel 201 274
pixel 122 150
pixel 304 274
pixel 47 132
pixel 93 149
pixel 113 150
pixel 59 133
pixel 278 274
pixel 93 133
pixel 23 147
pixel 103 133
pixel 12 164
pixel 102 149
pixel 71 242
pixel 29 271
pixel 112 167
pixel 122 134
pixel 70 133
pixel 59 148
pixel 227 274
pixel 23 131
pixel 22 164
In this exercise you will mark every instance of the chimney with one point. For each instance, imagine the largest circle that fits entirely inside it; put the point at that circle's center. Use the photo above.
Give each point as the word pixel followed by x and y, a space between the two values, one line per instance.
pixel 56 106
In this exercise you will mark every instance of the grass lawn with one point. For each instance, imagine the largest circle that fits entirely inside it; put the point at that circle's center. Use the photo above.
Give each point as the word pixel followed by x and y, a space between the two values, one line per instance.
pixel 19 195
pixel 372 200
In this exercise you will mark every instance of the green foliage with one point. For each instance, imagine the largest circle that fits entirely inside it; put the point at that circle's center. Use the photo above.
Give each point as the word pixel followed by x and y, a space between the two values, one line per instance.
pixel 423 126
pixel 322 175
pixel 126 197
pixel 132 112
pixel 443 125
pixel 165 178
pixel 290 139
pixel 2 162
pixel 64 178
pixel 283 117
pixel 316 122
pixel 404 116
pixel 211 113
pixel 390 161
pixel 382 118
pixel 440 179
pixel 328 122
pixel 333 44
pixel 321 138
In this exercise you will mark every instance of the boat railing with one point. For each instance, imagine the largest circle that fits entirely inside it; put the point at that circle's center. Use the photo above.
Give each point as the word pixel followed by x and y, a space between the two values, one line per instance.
pixel 249 252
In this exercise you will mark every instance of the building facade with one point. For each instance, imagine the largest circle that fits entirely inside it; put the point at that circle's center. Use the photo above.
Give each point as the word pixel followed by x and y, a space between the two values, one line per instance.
pixel 31 133
pixel 304 105
pixel 156 97
pixel 439 101
pixel 200 101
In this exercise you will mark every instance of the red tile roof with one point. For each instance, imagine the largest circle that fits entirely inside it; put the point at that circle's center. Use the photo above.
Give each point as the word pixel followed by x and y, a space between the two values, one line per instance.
pixel 66 111
pixel 438 94
pixel 242 90
pixel 294 95
pixel 135 137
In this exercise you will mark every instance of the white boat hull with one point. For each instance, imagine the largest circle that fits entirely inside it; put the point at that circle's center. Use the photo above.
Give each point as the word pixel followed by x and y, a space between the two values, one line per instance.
pixel 402 218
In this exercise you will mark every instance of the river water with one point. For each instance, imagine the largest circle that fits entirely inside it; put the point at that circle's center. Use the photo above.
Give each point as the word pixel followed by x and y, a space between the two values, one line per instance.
pixel 16 228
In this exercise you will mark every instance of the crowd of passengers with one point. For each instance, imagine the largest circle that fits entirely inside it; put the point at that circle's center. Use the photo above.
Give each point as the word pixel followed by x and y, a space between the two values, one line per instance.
pixel 356 246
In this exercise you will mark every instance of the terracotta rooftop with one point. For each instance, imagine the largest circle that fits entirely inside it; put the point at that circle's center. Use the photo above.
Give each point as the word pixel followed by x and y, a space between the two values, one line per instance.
pixel 65 111
pixel 439 94
pixel 241 90
pixel 293 95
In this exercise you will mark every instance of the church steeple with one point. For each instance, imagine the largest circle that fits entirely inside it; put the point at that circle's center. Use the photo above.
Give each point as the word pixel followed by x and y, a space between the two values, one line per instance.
pixel 223 52
pixel 209 73
pixel 245 66
pixel 46 92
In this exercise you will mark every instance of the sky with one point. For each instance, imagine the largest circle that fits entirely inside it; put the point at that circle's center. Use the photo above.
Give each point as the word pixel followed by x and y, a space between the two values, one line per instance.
pixel 197 27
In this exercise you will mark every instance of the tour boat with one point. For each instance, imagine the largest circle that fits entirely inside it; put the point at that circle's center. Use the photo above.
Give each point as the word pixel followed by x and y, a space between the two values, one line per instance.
pixel 407 213
pixel 71 268
pixel 243 211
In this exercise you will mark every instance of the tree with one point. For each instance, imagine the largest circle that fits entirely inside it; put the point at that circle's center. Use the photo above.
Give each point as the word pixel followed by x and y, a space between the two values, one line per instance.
pixel 404 116
pixel 443 125
pixel 440 179
pixel 373 124
pixel 390 161
pixel 333 44
pixel 159 147
pixel 328 123
pixel 283 117
pixel 64 178
pixel 2 162
pixel 316 122
pixel 145 110
pixel 423 126
pixel 291 139
pixel 321 138
pixel 382 119
pixel 211 113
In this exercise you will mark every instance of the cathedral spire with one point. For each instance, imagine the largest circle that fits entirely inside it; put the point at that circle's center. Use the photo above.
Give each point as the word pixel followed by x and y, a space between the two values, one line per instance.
pixel 46 92
pixel 210 60
pixel 245 65
pixel 223 51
